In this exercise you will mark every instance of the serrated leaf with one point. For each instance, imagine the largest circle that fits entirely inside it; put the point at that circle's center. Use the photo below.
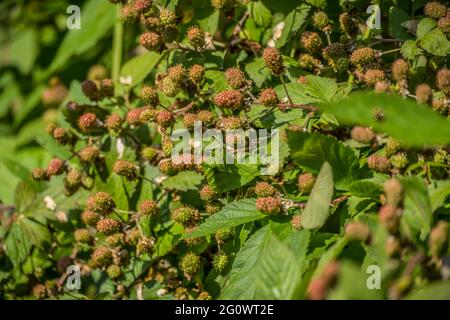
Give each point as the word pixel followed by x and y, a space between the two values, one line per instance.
pixel 410 50
pixel 17 245
pixel 439 191
pixel 425 26
pixel 292 23
pixel 233 214
pixel 311 150
pixel 260 13
pixel 366 188
pixel 317 208
pixel 396 19
pixel 183 181
pixel 432 291
pixel 399 116
pixel 225 178
pixel 436 42
pixel 317 89
pixel 257 71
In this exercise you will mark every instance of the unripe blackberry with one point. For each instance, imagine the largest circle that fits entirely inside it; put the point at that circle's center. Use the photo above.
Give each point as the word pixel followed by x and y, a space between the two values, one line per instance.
pixel 273 60
pixel 269 98
pixel 108 226
pixel 165 119
pixel 206 117
pixel 393 192
pixel 378 163
pixel 166 167
pixel 106 88
pixel 363 57
pixel 143 6
pixel 208 194
pixel 190 263
pixel 268 205
pixel 144 245
pixel 39 174
pixel 148 208
pixel 114 122
pixel 126 169
pixel 89 218
pixel 82 236
pixel 97 72
pixel 235 78
pixel 40 291
pixel 129 14
pixel 228 123
pixel 440 156
pixel 320 20
pixel 443 81
pixel 167 17
pixel 196 74
pixel 115 240
pixel 101 202
pixel 50 128
pixel 435 10
pixel 334 51
pixel 192 241
pixel 382 86
pixel 169 34
pixel 347 24
pixel 132 236
pixel 296 222
pixel 150 96
pixel 311 42
pixel 151 41
pixel 151 23
pixel 149 153
pixel 54 96
pixel 399 160
pixel 134 117
pixel 189 119
pixel 204 295
pixel 60 135
pixel 87 122
pixel 423 93
pixel 169 87
pixel 317 289
pixel 357 231
pixel 147 115
pixel 399 69
pixel 113 272
pixel 89 154
pixel 220 261
pixel 196 37
pixel 444 24
pixel 55 167
pixel 229 99
pixel 308 62
pixel 306 182
pixel 185 215
pixel 102 257
pixel 224 234
pixel 438 238
pixel 263 189
pixel 90 89
pixel 440 105
pixel 372 76
pixel 392 147
pixel 388 217
pixel 167 146
pixel 176 73
pixel 212 208
pixel 223 5
pixel 73 179
pixel 362 134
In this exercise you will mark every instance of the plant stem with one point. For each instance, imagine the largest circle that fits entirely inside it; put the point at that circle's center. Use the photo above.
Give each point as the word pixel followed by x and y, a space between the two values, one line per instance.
pixel 117 46
pixel 391 51
pixel 285 89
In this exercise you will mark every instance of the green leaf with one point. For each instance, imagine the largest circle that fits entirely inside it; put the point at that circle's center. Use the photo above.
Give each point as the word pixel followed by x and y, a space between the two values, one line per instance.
pixel 225 178
pixel 439 191
pixel 139 67
pixel 317 208
pixel 24 50
pixel 215 80
pixel 425 26
pixel 400 116
pixel 284 6
pixel 17 244
pixel 233 214
pixel 436 42
pixel 257 71
pixel 317 89
pixel 432 291
pixel 396 19
pixel 292 23
pixel 366 188
pixel 37 233
pixel 24 196
pixel 410 50
pixel 97 18
pixel 183 181
pixel 261 15
pixel 311 150
pixel 417 210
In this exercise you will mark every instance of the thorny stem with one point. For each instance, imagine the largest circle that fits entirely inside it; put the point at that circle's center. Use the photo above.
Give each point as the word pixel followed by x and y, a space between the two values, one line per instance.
pixel 117 46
